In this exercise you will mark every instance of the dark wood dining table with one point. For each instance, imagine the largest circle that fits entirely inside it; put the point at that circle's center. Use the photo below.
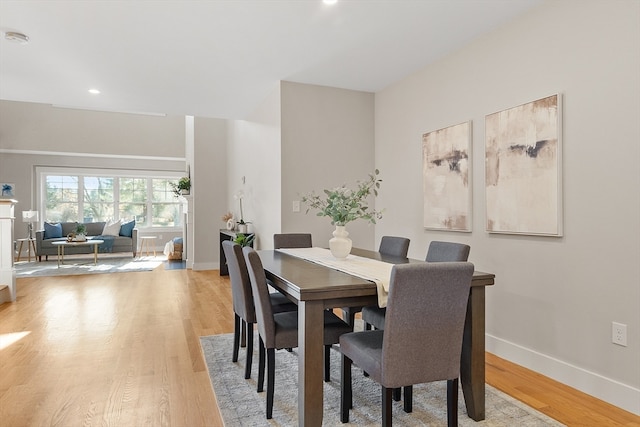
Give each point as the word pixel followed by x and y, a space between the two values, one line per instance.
pixel 315 287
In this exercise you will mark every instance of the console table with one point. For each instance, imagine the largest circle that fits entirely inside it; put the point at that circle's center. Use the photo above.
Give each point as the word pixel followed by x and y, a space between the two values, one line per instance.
pixel 227 235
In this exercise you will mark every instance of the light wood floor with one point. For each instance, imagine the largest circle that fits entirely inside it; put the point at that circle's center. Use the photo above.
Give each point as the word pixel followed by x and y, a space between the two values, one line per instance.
pixel 123 350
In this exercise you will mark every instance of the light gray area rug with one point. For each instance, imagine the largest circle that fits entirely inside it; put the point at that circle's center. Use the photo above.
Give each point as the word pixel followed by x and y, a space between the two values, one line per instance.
pixel 83 264
pixel 241 405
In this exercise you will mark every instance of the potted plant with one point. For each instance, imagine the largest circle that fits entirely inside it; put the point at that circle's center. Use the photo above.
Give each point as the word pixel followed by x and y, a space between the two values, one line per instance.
pixel 243 239
pixel 182 187
pixel 79 233
pixel 242 225
pixel 343 206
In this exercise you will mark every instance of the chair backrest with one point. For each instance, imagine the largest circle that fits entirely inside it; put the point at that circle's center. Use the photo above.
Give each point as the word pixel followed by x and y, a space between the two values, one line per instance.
pixel 424 322
pixel 394 246
pixel 261 300
pixel 292 240
pixel 240 284
pixel 447 252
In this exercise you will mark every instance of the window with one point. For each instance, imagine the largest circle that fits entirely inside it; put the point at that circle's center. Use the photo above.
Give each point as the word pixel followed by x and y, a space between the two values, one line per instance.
pixel 98 201
pixel 86 196
pixel 61 198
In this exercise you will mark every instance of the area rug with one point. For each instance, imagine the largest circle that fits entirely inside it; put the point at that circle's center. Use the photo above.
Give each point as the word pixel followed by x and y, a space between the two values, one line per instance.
pixel 241 405
pixel 84 265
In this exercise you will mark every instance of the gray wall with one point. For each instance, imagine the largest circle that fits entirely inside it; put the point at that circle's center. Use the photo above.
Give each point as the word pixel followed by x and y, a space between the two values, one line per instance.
pixel 209 190
pixel 327 141
pixel 555 298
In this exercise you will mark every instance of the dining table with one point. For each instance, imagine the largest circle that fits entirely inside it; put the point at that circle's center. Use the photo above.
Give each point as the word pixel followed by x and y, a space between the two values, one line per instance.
pixel 315 287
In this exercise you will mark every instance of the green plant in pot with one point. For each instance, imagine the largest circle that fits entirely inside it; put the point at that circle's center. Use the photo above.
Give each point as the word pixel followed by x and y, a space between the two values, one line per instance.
pixel 244 239
pixel 81 228
pixel 182 187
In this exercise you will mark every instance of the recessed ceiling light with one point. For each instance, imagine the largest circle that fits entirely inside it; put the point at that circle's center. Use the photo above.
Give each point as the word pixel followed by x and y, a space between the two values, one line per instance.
pixel 16 37
pixel 94 91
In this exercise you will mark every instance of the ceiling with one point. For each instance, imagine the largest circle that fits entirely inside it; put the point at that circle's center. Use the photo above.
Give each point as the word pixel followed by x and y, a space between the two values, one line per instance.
pixel 221 58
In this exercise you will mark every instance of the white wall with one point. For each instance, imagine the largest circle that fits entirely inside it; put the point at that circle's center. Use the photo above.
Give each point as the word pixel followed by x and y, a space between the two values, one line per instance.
pixel 555 298
pixel 327 141
pixel 253 152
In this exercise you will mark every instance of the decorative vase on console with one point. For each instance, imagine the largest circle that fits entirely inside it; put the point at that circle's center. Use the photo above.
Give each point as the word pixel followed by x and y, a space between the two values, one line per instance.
pixel 344 205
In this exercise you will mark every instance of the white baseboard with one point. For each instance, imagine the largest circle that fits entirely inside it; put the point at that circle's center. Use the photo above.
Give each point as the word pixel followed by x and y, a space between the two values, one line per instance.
pixel 614 392
pixel 206 266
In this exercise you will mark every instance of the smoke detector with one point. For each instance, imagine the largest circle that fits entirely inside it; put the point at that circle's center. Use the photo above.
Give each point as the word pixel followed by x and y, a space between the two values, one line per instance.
pixel 14 37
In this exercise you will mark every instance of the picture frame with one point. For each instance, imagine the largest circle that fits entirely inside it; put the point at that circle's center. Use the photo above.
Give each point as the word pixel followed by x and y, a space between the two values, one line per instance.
pixel 8 190
pixel 523 169
pixel 446 171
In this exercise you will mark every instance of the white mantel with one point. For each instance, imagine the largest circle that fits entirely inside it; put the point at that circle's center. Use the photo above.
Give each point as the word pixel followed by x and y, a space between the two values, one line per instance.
pixel 7 270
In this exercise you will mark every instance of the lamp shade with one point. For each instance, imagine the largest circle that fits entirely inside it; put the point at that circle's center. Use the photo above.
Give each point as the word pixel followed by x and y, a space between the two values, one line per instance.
pixel 29 216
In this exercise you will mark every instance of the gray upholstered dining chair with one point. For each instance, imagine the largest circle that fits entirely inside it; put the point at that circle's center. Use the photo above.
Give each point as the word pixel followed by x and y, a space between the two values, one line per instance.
pixel 243 306
pixel 437 252
pixel 280 330
pixel 292 240
pixel 422 339
pixel 389 245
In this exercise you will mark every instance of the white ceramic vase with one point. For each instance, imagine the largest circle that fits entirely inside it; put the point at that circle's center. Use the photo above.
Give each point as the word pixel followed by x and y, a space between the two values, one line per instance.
pixel 242 228
pixel 231 224
pixel 340 244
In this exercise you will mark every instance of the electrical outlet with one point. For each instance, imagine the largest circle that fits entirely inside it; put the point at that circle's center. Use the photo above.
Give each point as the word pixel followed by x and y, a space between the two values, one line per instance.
pixel 296 205
pixel 619 334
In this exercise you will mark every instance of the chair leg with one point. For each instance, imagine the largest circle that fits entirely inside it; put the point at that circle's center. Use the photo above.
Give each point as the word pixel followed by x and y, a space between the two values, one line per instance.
pixel 260 366
pixel 408 399
pixel 397 394
pixel 327 363
pixel 271 373
pixel 236 337
pixel 346 392
pixel 452 403
pixel 249 362
pixel 243 341
pixel 386 406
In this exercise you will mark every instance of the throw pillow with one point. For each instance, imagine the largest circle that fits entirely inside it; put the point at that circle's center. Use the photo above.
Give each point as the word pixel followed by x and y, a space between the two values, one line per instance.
pixel 126 229
pixel 111 228
pixel 52 231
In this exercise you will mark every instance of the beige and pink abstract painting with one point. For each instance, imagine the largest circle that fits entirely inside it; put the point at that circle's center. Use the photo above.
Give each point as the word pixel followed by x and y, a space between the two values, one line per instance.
pixel 523 169
pixel 446 178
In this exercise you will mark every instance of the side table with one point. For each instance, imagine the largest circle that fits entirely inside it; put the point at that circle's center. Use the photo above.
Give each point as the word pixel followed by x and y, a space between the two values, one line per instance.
pixel 31 244
pixel 145 241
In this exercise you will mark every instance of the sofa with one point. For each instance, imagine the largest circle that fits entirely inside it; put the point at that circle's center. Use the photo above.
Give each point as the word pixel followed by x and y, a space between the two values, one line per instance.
pixel 118 237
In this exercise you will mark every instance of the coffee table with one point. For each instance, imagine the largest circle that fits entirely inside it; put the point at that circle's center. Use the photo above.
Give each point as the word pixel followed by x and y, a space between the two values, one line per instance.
pixel 62 244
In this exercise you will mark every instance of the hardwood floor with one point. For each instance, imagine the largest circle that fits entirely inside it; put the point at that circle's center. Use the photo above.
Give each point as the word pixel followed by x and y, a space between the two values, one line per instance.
pixel 123 350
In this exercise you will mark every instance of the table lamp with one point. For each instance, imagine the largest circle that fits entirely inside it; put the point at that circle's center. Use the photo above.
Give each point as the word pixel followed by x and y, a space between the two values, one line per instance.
pixel 30 217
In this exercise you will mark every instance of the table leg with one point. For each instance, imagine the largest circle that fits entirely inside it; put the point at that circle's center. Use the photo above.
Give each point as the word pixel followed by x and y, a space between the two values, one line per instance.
pixel 472 369
pixel 60 253
pixel 30 245
pixel 310 362
pixel 95 254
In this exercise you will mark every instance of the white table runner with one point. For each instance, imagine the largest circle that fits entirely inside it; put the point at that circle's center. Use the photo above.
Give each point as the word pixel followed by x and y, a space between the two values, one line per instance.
pixel 374 270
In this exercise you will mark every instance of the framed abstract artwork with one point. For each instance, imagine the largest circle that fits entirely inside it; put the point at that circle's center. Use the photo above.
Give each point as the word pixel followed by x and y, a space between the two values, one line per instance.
pixel 523 169
pixel 446 162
